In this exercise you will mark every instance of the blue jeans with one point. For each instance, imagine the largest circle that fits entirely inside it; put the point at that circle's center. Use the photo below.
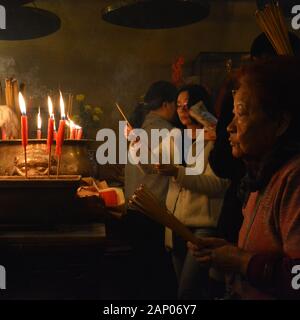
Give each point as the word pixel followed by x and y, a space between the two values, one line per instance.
pixel 193 280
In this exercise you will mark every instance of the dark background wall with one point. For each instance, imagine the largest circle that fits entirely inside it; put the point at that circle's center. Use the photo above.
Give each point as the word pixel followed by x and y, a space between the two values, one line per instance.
pixel 109 63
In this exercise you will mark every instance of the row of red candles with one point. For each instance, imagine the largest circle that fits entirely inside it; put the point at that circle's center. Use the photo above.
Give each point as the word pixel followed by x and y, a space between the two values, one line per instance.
pixel 75 131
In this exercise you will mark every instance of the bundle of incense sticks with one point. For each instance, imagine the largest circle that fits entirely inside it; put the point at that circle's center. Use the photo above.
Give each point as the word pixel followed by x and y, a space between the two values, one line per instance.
pixel 70 104
pixel 272 23
pixel 12 95
pixel 148 204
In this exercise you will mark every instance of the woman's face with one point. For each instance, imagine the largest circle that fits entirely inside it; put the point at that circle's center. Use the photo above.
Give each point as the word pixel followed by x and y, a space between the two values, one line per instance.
pixel 182 108
pixel 251 133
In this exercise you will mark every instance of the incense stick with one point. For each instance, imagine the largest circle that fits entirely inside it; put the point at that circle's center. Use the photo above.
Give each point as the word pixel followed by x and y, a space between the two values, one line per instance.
pixel 128 123
pixel 25 157
pixel 123 115
pixel 58 167
pixel 125 118
pixel 95 185
pixel 49 162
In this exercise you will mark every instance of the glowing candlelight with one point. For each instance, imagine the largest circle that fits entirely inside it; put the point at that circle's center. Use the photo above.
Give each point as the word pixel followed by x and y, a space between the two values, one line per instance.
pixel 50 126
pixel 54 129
pixel 39 125
pixel 78 133
pixel 61 132
pixel 24 127
pixel 50 134
pixel 72 127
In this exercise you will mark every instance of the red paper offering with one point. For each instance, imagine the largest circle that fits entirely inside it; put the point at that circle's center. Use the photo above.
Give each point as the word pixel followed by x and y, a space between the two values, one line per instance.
pixel 109 197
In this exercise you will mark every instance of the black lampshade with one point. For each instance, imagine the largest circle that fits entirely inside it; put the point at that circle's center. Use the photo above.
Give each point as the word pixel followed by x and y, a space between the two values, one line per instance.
pixel 155 14
pixel 24 23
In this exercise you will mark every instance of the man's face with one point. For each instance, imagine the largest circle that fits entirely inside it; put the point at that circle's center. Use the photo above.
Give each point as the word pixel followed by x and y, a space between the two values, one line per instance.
pixel 251 133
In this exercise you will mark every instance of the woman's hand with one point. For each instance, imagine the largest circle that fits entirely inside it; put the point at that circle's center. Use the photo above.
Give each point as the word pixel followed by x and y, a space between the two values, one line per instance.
pixel 167 170
pixel 203 250
pixel 128 132
pixel 210 135
pixel 220 254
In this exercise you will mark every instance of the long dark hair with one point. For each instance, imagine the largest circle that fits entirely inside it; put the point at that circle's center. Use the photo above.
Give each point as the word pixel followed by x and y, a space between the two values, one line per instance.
pixel 158 93
pixel 197 93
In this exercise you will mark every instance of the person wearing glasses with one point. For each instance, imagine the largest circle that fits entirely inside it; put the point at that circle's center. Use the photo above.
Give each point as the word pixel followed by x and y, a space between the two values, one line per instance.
pixel 195 200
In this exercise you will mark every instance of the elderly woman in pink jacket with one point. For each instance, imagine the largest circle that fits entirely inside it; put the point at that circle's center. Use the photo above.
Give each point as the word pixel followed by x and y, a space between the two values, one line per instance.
pixel 265 134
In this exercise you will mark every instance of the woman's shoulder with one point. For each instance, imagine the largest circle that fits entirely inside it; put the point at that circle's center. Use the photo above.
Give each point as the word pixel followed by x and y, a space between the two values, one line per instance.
pixel 291 168
pixel 153 121
pixel 288 176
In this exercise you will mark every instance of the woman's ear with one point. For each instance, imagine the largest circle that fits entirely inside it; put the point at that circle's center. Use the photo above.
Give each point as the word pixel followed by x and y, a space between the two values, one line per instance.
pixel 283 124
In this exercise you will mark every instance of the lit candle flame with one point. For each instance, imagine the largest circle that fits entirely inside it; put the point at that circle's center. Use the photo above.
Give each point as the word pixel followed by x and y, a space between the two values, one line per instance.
pixel 50 107
pixel 62 107
pixel 39 120
pixel 22 104
pixel 71 124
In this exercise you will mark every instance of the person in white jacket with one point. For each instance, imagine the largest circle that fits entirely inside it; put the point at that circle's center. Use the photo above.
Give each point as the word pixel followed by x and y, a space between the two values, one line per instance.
pixel 195 200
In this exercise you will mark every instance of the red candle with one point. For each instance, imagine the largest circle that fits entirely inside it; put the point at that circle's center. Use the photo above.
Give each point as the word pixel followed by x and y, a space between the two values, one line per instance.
pixel 50 134
pixel 3 134
pixel 54 129
pixel 79 133
pixel 72 130
pixel 24 123
pixel 39 125
pixel 60 137
pixel 72 133
pixel 24 129
pixel 61 129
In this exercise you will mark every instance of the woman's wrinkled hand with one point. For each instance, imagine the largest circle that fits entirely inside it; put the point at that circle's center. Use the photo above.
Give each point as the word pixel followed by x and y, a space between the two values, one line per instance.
pixel 203 250
pixel 167 170
pixel 221 255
